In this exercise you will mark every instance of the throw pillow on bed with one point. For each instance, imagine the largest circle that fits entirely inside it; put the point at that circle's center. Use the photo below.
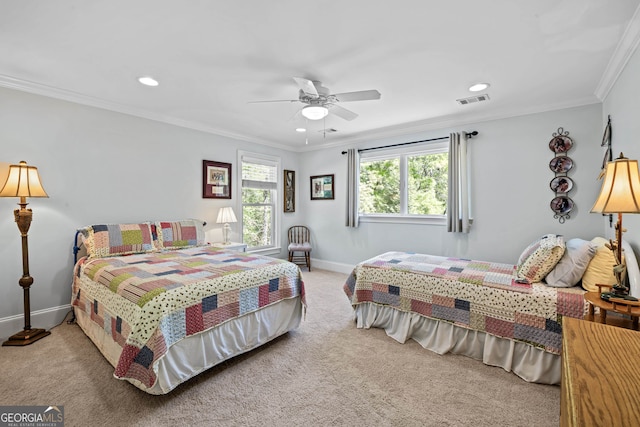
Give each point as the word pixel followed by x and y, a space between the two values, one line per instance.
pixel 179 234
pixel 572 265
pixel 600 269
pixel 539 258
pixel 106 240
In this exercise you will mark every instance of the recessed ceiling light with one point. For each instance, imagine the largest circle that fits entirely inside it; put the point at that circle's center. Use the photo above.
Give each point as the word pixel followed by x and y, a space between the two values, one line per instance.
pixel 478 87
pixel 148 81
pixel 301 130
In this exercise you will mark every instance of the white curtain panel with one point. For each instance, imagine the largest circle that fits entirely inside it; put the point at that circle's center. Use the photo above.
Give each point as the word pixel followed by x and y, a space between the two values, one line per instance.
pixel 458 203
pixel 353 173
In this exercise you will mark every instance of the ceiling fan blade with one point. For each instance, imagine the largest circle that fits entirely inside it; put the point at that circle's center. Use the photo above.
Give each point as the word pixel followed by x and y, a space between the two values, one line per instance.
pixel 275 100
pixel 341 112
pixel 363 95
pixel 306 86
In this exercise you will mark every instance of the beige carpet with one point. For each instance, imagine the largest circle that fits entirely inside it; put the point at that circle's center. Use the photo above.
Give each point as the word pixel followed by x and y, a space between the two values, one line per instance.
pixel 325 373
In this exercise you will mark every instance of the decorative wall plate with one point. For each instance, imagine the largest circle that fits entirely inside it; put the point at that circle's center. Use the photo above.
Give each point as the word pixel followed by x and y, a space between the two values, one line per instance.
pixel 561 164
pixel 561 184
pixel 561 205
pixel 560 144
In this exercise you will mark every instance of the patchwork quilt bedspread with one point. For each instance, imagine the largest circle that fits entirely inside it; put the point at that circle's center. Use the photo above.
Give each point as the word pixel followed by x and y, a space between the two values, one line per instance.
pixel 147 302
pixel 472 294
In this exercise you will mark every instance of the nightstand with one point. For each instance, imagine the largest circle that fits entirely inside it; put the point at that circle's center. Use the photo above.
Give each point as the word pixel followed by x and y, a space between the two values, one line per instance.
pixel 629 309
pixel 234 246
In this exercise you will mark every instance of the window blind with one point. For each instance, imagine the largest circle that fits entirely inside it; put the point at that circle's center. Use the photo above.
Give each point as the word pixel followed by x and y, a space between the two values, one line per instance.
pixel 259 173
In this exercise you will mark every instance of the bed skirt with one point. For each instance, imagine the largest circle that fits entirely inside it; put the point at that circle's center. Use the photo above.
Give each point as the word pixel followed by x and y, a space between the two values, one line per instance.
pixel 530 363
pixel 197 353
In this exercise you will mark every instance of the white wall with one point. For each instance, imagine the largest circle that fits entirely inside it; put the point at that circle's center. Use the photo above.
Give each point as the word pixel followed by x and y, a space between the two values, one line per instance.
pixel 509 162
pixel 622 104
pixel 99 167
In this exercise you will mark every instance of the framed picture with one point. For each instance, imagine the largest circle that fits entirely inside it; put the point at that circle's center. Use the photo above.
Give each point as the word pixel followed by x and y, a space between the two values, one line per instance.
pixel 216 180
pixel 289 191
pixel 322 187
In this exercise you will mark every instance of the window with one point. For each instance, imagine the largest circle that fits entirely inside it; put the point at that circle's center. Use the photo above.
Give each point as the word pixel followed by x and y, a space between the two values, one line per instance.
pixel 259 200
pixel 403 184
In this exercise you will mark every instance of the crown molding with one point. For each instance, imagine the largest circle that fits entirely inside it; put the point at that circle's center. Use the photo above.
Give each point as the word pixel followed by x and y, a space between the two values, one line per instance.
pixel 400 130
pixel 625 49
pixel 78 98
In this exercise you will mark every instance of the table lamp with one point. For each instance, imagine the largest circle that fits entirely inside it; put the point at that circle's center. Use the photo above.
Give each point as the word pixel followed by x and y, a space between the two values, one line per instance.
pixel 620 193
pixel 225 216
pixel 24 181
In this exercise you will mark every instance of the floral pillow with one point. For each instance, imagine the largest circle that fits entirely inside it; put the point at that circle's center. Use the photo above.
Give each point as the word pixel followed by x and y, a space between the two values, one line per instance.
pixel 179 234
pixel 539 258
pixel 106 240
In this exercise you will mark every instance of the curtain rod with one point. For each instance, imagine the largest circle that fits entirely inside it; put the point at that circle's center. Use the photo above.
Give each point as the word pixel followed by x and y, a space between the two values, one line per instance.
pixel 469 135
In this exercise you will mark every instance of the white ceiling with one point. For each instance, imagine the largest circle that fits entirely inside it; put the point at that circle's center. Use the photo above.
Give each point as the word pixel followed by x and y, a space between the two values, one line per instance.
pixel 213 57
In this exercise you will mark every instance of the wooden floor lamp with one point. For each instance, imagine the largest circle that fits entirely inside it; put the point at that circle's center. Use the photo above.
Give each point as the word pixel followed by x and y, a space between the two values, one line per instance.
pixel 24 181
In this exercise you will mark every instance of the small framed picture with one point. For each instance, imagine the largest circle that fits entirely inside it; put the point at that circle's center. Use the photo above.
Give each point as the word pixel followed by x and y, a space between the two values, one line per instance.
pixel 322 187
pixel 289 191
pixel 216 180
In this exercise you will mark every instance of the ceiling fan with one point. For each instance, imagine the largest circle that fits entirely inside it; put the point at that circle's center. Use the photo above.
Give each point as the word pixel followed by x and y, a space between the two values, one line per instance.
pixel 321 102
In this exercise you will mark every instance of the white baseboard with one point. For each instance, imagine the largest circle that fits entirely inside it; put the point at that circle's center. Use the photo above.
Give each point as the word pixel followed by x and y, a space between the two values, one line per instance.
pixel 332 266
pixel 42 319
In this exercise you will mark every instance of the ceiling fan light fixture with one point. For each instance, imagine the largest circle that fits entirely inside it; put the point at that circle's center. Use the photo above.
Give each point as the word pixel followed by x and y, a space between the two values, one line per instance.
pixel 479 87
pixel 315 112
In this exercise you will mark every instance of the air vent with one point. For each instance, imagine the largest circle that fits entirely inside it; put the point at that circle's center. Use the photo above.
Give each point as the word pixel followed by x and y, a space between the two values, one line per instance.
pixel 330 130
pixel 473 99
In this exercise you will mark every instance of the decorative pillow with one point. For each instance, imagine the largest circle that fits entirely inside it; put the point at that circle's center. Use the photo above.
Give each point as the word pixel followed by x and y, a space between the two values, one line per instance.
pixel 539 258
pixel 572 265
pixel 105 240
pixel 600 269
pixel 179 234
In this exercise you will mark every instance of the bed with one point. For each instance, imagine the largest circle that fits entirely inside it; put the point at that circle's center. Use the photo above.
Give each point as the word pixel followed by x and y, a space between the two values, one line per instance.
pixel 505 315
pixel 162 306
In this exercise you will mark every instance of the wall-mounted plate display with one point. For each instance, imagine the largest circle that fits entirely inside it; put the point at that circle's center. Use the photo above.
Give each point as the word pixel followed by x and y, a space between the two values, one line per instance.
pixel 561 184
pixel 606 137
pixel 560 144
pixel 561 205
pixel 561 164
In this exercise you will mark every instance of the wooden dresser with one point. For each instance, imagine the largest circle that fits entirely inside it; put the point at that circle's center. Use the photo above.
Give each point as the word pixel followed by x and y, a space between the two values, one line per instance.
pixel 600 375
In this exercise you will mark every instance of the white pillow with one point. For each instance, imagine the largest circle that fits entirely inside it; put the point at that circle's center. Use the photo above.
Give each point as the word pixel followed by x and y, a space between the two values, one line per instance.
pixel 572 265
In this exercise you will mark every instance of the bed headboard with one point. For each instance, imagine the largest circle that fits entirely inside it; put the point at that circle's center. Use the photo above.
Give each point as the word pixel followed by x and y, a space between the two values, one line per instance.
pixel 633 273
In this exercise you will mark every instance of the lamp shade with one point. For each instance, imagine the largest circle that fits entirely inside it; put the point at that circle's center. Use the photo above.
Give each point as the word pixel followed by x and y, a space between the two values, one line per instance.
pixel 226 215
pixel 315 112
pixel 620 192
pixel 23 181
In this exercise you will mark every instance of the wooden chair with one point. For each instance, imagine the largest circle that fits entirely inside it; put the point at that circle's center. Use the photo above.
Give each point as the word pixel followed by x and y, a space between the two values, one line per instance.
pixel 300 241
